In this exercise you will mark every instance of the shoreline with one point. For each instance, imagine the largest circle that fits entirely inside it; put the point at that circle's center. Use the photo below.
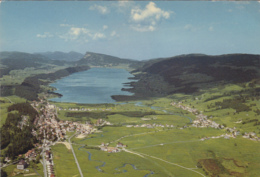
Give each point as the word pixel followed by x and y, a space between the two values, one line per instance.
pixel 34 85
pixel 127 87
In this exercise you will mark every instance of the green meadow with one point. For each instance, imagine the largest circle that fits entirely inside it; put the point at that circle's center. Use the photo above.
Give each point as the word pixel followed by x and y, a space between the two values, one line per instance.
pixel 34 170
pixel 161 151
pixel 169 151
pixel 5 102
pixel 64 163
pixel 207 101
pixel 112 164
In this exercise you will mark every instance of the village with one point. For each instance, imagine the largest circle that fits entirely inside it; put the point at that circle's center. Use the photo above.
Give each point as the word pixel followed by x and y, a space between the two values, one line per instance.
pixel 154 125
pixel 49 130
pixel 202 121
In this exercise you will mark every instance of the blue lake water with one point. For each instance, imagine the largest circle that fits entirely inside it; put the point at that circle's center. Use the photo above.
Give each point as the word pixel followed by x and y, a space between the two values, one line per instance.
pixel 95 85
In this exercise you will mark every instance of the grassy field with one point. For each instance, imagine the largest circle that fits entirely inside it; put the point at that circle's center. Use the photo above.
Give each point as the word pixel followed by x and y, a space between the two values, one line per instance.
pixel 188 154
pixel 161 151
pixel 110 134
pixel 16 77
pixel 121 164
pixel 206 100
pixel 12 170
pixel 64 163
pixel 169 151
pixel 172 148
pixel 5 103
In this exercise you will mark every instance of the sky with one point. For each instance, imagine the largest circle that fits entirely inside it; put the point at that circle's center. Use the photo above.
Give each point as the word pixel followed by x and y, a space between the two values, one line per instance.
pixel 131 29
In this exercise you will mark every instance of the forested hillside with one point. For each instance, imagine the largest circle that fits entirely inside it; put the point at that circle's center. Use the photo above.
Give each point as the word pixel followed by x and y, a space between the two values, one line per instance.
pixel 17 138
pixel 192 73
pixel 101 60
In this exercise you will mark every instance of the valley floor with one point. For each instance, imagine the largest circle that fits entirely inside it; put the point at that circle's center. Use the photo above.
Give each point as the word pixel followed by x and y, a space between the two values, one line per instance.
pixel 178 135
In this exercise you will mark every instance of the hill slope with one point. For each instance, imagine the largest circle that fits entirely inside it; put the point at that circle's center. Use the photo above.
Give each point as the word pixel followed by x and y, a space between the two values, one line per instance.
pixel 101 60
pixel 192 73
pixel 19 60
pixel 70 56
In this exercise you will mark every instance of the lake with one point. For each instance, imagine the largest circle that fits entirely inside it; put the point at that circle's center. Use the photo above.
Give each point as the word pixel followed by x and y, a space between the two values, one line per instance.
pixel 95 85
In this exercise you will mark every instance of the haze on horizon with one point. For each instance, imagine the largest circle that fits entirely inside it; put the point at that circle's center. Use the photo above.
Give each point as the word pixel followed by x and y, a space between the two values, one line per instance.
pixel 131 29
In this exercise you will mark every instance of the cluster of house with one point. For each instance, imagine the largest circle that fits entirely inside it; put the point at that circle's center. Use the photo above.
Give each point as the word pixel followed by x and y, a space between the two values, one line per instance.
pixel 22 164
pixel 83 109
pixel 31 154
pixel 233 133
pixel 104 147
pixel 150 126
pixel 203 121
pixel 226 136
pixel 49 163
pixel 101 122
pixel 251 136
pixel 179 105
pixel 53 129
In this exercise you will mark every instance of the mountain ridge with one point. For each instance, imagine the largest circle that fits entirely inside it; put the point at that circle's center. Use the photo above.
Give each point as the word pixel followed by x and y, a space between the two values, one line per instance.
pixel 57 55
pixel 191 73
pixel 102 60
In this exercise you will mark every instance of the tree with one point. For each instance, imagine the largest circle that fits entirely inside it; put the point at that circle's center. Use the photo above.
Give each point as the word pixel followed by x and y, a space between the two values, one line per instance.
pixel 3 173
pixel 38 157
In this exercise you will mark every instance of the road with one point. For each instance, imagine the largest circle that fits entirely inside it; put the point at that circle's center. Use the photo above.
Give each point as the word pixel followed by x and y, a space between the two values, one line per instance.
pixel 9 100
pixel 76 160
pixel 44 164
pixel 143 156
pixel 6 165
pixel 43 157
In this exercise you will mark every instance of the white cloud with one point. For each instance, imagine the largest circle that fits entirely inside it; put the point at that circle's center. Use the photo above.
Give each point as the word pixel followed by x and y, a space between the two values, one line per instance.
pixel 100 9
pixel 105 27
pixel 113 33
pixel 81 34
pixel 211 28
pixel 74 33
pixel 98 36
pixel 44 35
pixel 146 19
pixel 150 11
pixel 143 28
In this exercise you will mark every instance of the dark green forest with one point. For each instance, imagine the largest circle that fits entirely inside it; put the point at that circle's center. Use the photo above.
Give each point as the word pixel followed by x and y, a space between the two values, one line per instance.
pixel 14 139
